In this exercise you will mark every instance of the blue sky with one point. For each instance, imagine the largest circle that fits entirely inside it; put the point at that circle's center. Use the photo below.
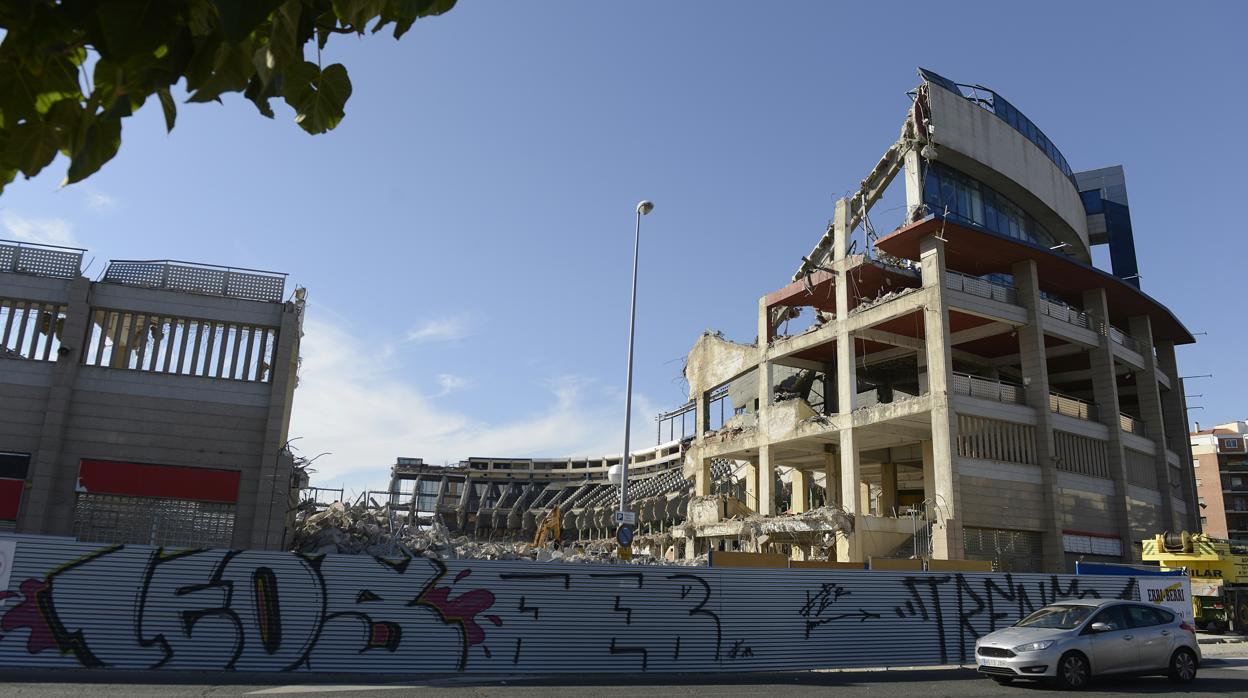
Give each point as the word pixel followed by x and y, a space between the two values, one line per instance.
pixel 465 234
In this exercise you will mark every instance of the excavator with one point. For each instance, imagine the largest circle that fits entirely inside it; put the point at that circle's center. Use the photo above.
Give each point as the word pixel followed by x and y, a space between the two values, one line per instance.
pixel 551 527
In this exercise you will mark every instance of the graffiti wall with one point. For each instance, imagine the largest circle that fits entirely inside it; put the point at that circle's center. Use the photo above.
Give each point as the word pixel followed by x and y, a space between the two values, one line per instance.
pixel 139 607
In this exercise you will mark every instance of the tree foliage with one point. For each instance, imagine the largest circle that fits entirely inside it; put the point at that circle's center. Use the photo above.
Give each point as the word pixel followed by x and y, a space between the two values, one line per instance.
pixel 71 70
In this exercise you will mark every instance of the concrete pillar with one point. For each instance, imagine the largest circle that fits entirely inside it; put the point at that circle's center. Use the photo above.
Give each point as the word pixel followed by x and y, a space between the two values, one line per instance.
pixel 766 481
pixel 831 479
pixel 1035 369
pixel 929 471
pixel 48 504
pixel 751 485
pixel 1174 406
pixel 799 552
pixel 1105 392
pixel 800 480
pixel 702 478
pixel 1151 411
pixel 888 489
pixel 947 534
pixel 850 547
pixel 914 182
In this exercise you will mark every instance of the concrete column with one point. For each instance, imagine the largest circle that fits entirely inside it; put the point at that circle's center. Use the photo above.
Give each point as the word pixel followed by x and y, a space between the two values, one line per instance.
pixel 1151 411
pixel 929 470
pixel 766 481
pixel 850 547
pixel 888 489
pixel 751 485
pixel 1105 392
pixel 702 478
pixel 914 182
pixel 1035 369
pixel 272 477
pixel 947 541
pixel 765 379
pixel 831 479
pixel 800 480
pixel 48 503
pixel 1174 406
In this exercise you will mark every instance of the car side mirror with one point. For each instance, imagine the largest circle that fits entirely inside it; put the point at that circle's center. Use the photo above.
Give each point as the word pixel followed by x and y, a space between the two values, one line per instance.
pixel 1101 627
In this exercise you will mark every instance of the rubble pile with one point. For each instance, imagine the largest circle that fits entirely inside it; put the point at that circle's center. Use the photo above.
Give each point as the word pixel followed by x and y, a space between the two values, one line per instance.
pixel 356 529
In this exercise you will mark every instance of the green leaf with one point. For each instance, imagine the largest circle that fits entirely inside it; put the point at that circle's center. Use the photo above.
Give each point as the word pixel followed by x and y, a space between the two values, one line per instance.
pixel 33 146
pixel 232 70
pixel 131 28
pixel 285 46
pixel 318 97
pixel 99 144
pixel 356 14
pixel 239 18
pixel 170 109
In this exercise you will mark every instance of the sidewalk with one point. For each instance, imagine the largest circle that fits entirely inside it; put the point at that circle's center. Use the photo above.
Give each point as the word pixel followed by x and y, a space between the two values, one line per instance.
pixel 1219 639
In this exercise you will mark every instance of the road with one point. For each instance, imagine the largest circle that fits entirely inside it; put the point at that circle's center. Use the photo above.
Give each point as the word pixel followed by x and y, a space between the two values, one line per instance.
pixel 1220 677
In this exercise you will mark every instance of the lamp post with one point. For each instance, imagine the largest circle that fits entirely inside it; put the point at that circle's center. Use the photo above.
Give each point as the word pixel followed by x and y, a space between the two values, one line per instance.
pixel 625 537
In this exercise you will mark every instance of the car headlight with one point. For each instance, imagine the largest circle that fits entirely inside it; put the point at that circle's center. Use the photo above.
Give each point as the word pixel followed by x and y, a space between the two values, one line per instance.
pixel 1035 646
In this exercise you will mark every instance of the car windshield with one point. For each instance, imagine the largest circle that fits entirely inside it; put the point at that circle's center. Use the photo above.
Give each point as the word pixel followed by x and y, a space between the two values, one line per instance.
pixel 1060 617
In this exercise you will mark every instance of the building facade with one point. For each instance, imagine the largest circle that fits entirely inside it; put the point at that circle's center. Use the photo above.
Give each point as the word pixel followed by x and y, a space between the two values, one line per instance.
pixel 970 385
pixel 1220 460
pixel 151 406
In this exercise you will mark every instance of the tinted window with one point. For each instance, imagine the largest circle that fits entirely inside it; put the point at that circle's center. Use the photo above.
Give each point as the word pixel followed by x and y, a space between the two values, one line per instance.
pixel 1062 617
pixel 1113 617
pixel 1144 616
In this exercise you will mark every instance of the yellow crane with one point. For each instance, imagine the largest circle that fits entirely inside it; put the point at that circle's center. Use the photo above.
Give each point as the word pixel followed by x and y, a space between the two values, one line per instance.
pixel 1219 572
pixel 551 526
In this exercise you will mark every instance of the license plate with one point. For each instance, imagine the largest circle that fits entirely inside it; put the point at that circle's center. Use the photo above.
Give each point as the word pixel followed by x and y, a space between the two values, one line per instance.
pixel 988 661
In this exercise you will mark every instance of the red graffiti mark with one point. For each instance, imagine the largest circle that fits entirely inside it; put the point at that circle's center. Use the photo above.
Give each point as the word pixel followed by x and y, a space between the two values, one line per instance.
pixel 28 614
pixel 462 609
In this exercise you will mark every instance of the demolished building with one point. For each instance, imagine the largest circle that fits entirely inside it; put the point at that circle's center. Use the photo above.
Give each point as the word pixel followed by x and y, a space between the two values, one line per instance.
pixel 969 386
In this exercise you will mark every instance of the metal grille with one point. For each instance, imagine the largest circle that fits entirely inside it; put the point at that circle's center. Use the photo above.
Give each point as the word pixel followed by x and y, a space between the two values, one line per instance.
pixel 1123 339
pixel 108 518
pixel 204 279
pixel 129 340
pixel 30 330
pixel 987 389
pixel 1130 424
pixel 1141 470
pixel 1071 407
pixel 994 439
pixel 980 287
pixel 1009 551
pixel 40 260
pixel 1065 313
pixel 1080 454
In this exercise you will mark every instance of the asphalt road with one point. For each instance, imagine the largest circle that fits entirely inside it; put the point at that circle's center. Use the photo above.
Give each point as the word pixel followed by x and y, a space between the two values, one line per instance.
pixel 1220 677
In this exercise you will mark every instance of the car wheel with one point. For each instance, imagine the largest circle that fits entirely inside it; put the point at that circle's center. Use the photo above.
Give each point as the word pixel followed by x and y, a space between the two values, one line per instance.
pixel 1073 672
pixel 1183 665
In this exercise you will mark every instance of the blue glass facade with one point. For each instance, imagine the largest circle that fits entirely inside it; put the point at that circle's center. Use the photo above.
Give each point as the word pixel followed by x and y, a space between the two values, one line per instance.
pixel 948 192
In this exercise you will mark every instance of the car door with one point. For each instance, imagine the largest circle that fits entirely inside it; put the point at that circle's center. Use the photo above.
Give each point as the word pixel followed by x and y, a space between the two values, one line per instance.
pixel 1153 635
pixel 1116 649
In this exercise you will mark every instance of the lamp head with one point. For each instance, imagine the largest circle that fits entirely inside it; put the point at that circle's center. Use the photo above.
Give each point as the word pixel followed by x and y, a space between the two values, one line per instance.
pixel 645 207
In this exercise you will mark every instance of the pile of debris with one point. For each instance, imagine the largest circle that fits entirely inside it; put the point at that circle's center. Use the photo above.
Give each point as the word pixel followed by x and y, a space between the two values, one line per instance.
pixel 385 531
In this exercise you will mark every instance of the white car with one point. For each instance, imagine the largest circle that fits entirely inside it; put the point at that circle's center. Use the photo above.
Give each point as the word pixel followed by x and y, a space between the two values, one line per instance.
pixel 1072 641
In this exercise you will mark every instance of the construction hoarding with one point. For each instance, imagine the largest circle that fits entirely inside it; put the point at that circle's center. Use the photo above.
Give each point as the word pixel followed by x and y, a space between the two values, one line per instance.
pixel 137 607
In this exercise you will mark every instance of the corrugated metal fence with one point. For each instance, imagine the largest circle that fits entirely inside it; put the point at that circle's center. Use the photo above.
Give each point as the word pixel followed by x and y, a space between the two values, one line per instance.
pixel 138 607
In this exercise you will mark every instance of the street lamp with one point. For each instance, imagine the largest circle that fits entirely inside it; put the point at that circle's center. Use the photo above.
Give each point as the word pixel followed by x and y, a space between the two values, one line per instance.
pixel 624 537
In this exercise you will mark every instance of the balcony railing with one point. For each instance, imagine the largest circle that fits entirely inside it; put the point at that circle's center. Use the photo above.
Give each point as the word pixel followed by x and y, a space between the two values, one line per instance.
pixel 1131 425
pixel 207 279
pixel 1123 339
pixel 987 389
pixel 40 260
pixel 980 287
pixel 1065 313
pixel 1072 407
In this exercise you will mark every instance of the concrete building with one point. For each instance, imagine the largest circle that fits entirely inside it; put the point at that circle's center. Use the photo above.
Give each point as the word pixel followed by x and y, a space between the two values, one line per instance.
pixel 969 386
pixel 507 498
pixel 1220 459
pixel 151 406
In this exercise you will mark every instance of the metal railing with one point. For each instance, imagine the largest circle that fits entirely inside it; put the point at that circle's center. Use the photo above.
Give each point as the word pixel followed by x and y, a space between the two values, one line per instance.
pixel 40 260
pixel 1066 313
pixel 1072 407
pixel 1123 339
pixel 207 279
pixel 987 388
pixel 980 287
pixel 1131 425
